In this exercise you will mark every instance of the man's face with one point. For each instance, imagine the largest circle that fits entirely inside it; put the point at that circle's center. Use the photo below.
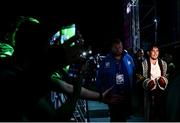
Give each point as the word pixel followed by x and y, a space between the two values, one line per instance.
pixel 117 49
pixel 140 53
pixel 154 53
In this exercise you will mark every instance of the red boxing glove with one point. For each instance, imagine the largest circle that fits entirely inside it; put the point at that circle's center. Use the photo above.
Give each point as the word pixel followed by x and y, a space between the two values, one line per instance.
pixel 151 85
pixel 162 82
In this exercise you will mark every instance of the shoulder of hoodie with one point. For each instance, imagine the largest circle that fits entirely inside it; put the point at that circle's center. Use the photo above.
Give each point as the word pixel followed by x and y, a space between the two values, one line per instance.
pixel 127 55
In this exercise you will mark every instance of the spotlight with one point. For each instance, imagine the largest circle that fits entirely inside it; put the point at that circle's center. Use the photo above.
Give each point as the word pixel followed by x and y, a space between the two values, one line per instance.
pixel 128 9
pixel 155 20
pixel 84 54
pixel 90 52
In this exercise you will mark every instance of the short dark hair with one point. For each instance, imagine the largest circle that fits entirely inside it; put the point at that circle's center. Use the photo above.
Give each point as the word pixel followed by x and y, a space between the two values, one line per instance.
pixel 153 46
pixel 116 41
pixel 140 50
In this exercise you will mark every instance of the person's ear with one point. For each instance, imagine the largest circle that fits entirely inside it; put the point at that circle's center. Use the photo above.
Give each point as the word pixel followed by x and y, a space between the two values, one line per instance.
pixel 148 53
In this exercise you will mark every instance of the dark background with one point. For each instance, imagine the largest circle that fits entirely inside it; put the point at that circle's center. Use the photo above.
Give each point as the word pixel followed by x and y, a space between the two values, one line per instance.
pixel 100 21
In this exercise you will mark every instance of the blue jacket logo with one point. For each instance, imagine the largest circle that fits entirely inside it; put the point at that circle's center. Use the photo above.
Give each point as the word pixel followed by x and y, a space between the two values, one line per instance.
pixel 107 65
pixel 129 62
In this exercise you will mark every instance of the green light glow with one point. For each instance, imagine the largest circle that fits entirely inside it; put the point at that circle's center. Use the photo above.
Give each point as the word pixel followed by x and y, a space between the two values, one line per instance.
pixel 66 69
pixel 67 32
pixel 72 44
pixel 2 56
pixel 13 39
pixel 34 20
pixel 56 75
pixel 6 50
pixel 8 53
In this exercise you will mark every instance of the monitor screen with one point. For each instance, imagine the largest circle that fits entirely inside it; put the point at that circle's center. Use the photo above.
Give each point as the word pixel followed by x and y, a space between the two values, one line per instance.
pixel 55 39
pixel 67 32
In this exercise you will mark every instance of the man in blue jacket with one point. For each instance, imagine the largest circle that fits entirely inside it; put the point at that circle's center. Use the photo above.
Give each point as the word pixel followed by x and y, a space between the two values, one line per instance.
pixel 117 70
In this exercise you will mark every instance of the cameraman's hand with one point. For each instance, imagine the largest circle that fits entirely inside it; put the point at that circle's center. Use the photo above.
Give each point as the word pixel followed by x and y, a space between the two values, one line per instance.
pixel 110 98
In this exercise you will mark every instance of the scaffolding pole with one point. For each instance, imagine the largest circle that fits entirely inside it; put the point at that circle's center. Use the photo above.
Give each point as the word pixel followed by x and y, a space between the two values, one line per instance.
pixel 131 24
